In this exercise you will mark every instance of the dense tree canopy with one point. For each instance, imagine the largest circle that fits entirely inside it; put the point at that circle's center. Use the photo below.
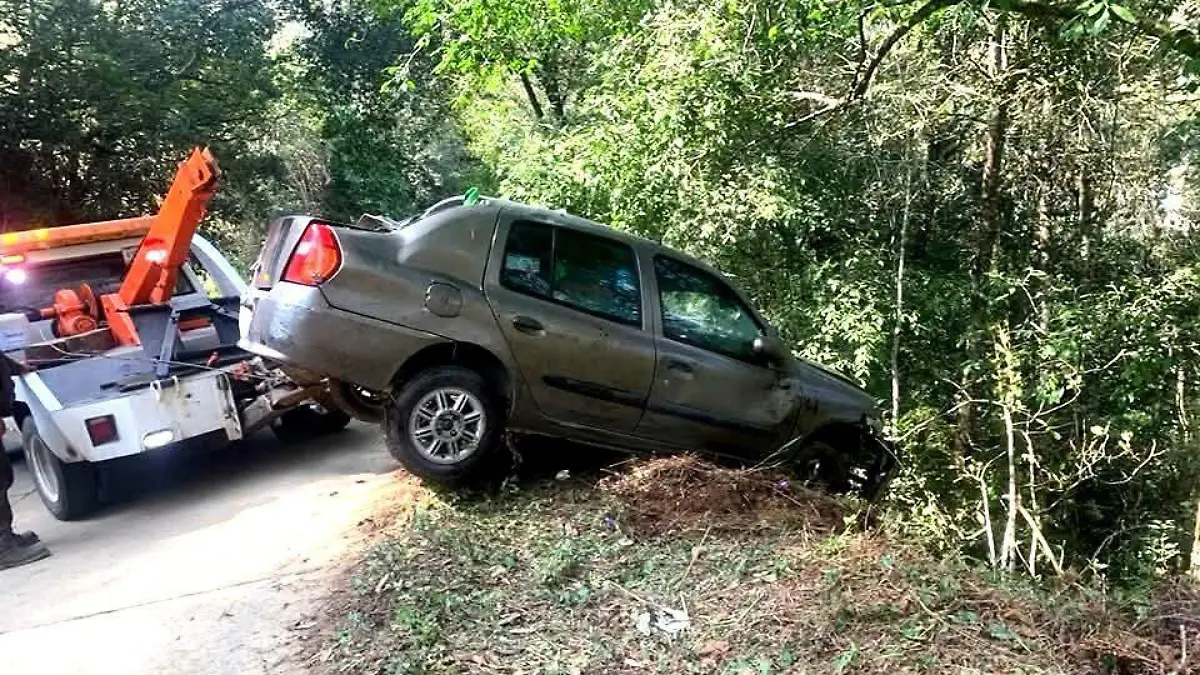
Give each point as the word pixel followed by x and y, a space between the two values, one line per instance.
pixel 985 212
pixel 99 98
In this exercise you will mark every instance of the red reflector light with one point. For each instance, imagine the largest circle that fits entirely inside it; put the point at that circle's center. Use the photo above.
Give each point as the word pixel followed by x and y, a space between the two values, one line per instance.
pixel 102 429
pixel 317 257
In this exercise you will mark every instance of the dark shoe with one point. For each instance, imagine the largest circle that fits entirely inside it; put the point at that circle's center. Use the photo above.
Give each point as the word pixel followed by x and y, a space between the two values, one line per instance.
pixel 26 538
pixel 14 553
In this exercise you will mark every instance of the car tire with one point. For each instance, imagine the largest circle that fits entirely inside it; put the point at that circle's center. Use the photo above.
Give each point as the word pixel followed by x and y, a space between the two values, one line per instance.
pixel 69 490
pixel 361 404
pixel 446 425
pixel 822 462
pixel 307 422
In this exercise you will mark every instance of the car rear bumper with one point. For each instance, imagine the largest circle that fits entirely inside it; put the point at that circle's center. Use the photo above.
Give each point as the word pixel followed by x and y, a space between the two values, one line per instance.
pixel 296 326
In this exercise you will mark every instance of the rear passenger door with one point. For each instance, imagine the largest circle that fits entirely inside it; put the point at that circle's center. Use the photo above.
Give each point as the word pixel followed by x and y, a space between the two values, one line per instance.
pixel 710 389
pixel 570 304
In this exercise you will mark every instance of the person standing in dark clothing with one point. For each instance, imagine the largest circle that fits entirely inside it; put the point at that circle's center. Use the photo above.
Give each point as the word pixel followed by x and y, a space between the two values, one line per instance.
pixel 15 548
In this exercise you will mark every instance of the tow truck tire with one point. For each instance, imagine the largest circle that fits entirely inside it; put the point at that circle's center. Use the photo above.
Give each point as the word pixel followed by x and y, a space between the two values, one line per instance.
pixel 69 490
pixel 307 422
pixel 361 404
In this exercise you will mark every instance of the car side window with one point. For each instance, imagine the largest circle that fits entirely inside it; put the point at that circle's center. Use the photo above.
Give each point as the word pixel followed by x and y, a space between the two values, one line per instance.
pixel 701 310
pixel 594 274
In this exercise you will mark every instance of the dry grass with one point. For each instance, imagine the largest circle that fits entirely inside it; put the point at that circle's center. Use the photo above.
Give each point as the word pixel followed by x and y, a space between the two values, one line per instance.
pixel 680 495
pixel 554 578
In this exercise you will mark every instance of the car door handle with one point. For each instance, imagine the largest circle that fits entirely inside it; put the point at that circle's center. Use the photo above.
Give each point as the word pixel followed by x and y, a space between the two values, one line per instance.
pixel 527 324
pixel 682 367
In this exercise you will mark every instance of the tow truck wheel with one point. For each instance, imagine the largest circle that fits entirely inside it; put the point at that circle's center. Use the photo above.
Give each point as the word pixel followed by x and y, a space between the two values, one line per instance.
pixel 69 491
pixel 308 421
pixel 363 405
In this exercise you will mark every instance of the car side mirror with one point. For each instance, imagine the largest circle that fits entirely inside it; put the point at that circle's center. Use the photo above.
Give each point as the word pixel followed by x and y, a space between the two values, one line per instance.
pixel 769 349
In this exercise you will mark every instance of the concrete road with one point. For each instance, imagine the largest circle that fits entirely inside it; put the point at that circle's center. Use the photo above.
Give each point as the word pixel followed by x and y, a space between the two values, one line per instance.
pixel 214 568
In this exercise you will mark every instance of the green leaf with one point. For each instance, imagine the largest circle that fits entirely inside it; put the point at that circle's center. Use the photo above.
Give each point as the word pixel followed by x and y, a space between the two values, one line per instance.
pixel 999 631
pixel 966 616
pixel 1123 13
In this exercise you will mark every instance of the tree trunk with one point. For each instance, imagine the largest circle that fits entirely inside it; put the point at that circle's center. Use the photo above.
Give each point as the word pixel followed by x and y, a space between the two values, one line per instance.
pixel 531 95
pixel 899 316
pixel 993 160
pixel 1087 210
pixel 552 84
pixel 1008 543
pixel 990 227
pixel 1033 505
pixel 1196 544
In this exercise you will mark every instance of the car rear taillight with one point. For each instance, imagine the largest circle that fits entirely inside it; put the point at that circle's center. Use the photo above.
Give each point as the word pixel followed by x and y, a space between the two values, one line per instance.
pixel 317 257
pixel 101 429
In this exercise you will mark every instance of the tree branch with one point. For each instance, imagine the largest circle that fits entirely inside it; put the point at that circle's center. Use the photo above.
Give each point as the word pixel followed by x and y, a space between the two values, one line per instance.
pixel 862 81
pixel 1182 40
pixel 531 95
pixel 865 71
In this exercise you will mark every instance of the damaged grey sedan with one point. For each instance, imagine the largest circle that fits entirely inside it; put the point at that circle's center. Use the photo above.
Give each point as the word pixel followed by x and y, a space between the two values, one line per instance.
pixel 483 317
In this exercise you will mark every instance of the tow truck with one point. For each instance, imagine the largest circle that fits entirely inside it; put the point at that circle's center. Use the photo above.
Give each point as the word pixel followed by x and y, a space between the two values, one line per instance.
pixel 131 328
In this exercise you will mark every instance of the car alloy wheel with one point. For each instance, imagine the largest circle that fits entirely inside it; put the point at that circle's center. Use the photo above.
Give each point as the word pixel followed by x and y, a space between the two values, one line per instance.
pixel 446 425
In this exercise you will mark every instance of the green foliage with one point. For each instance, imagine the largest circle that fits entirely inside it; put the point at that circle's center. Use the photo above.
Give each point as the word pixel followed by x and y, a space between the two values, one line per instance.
pixel 386 148
pixel 99 101
pixel 1031 164
pixel 1069 309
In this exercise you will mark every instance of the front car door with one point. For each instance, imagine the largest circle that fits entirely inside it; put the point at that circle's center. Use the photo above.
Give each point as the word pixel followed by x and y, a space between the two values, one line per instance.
pixel 570 304
pixel 710 389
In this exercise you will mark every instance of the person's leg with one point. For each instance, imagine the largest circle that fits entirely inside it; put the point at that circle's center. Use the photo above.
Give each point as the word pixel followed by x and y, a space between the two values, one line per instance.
pixel 6 482
pixel 15 549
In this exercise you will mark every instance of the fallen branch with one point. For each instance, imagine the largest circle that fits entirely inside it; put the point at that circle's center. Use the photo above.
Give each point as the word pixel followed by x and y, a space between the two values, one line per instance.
pixel 1036 529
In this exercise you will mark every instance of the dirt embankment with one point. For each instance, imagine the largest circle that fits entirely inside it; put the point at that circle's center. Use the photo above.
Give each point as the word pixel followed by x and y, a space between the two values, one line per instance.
pixel 675 565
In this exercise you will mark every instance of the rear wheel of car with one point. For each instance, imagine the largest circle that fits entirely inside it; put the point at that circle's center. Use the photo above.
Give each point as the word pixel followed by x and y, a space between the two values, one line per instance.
pixel 363 405
pixel 69 490
pixel 309 421
pixel 447 425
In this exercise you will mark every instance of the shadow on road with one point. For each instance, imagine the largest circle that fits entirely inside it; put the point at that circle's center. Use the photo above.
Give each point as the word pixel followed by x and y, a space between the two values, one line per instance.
pixel 165 479
pixel 193 473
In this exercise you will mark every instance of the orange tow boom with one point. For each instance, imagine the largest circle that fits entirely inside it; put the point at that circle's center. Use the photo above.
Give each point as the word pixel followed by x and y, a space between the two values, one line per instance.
pixel 154 270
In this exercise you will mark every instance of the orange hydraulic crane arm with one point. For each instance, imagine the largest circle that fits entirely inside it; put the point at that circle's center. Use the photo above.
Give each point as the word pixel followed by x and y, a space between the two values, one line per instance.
pixel 153 273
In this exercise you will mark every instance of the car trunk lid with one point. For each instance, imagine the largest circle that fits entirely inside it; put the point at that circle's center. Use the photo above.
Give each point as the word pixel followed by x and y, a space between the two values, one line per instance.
pixel 282 238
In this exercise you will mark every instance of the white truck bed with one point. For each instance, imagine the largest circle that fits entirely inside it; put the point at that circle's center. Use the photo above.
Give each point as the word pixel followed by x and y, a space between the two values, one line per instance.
pixel 187 407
